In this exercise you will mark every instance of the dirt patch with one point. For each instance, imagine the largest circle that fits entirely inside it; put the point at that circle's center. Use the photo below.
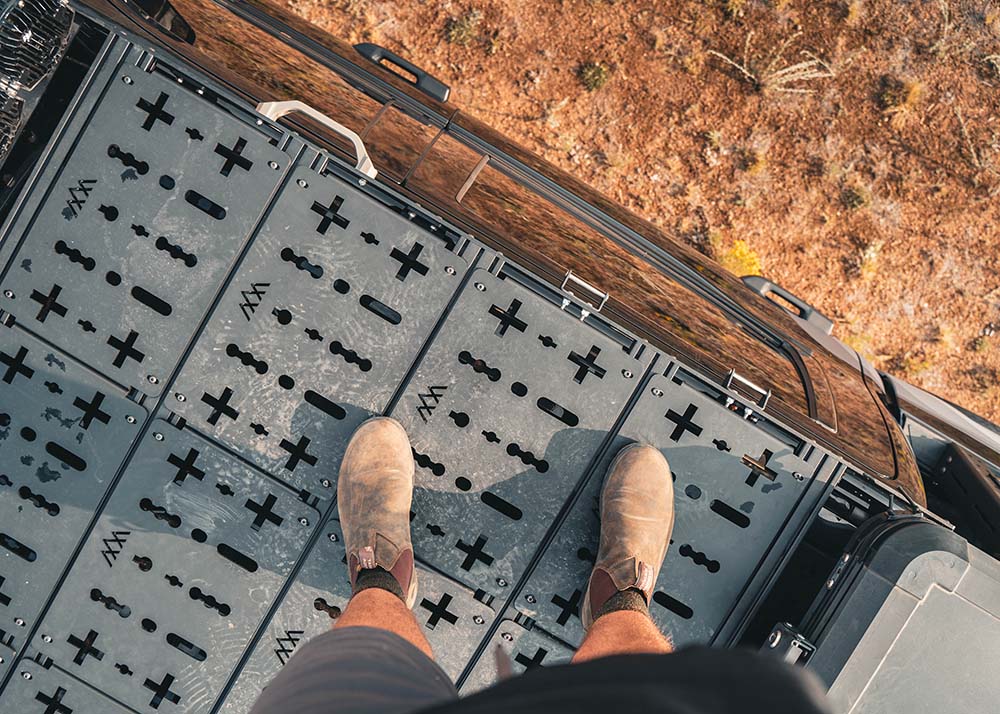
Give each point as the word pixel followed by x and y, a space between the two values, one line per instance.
pixel 847 149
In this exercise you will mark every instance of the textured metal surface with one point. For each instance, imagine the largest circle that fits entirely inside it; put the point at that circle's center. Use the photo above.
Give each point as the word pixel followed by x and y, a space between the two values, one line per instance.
pixel 524 648
pixel 63 434
pixel 138 228
pixel 453 620
pixel 179 572
pixel 317 329
pixel 504 418
pixel 727 519
pixel 37 690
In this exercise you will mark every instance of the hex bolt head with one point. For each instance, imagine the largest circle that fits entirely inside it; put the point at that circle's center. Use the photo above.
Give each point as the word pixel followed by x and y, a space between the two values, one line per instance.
pixel 152 380
pixel 304 521
pixel 19 622
pixel 657 392
pixel 180 397
pixel 158 436
pixel 126 79
pixel 478 619
pixel 627 374
pixel 332 537
pixel 507 636
pixel 530 598
pixel 325 483
pixel 480 287
pixel 302 183
pixel 450 270
pixel 501 582
pixel 26 675
pixel 130 419
pixel 273 165
pixel 9 294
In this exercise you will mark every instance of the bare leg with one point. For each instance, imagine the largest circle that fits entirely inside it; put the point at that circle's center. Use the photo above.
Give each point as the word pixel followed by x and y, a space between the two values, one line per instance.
pixel 622 632
pixel 382 609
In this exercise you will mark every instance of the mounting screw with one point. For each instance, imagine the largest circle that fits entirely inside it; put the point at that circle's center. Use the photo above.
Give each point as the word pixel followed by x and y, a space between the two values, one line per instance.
pixel 47 639
pixel 304 521
pixel 127 79
pixel 152 380
pixel 478 619
pixel 501 582
pixel 273 165
pixel 180 397
pixel 773 639
pixel 530 598
pixel 507 636
pixel 450 270
pixel 362 182
pixel 302 183
pixel 480 287
pixel 9 294
pixel 657 392
pixel 158 436
pixel 325 483
pixel 26 675
pixel 626 374
pixel 19 622
pixel 130 419
pixel 332 537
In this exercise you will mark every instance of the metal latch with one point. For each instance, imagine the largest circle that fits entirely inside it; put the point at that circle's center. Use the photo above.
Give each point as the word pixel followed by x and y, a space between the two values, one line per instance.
pixel 788 643
pixel 765 394
pixel 276 110
pixel 601 296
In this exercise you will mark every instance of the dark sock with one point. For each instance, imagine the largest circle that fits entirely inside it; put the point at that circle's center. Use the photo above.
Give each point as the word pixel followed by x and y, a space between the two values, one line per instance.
pixel 380 578
pixel 630 599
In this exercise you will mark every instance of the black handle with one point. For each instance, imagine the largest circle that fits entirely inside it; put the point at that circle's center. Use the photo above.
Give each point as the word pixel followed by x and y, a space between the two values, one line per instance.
pixel 426 83
pixel 803 310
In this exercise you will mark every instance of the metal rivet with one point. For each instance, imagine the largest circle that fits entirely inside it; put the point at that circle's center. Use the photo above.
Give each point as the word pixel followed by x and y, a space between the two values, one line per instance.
pixel 304 521
pixel 332 537
pixel 829 583
pixel 480 287
pixel 8 294
pixel 158 436
pixel 180 397
pixel 501 582
pixel 302 183
pixel 47 639
pixel 19 622
pixel 325 483
pixel 507 636
pixel 26 675
pixel 362 182
pixel 657 392
pixel 127 79
pixel 530 598
pixel 626 374
pixel 773 640
pixel 152 380
pixel 450 270
pixel 130 419
pixel 260 122
pixel 478 619
pixel 273 165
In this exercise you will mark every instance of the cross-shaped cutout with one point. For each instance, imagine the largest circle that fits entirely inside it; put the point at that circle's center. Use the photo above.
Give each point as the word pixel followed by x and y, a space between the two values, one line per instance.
pixel 330 214
pixel 220 406
pixel 569 607
pixel 531 662
pixel 92 410
pixel 264 512
pixel 233 157
pixel 185 467
pixel 53 703
pixel 684 422
pixel 474 552
pixel 439 611
pixel 126 348
pixel 408 261
pixel 85 647
pixel 161 691
pixel 508 318
pixel 587 364
pixel 15 365
pixel 155 111
pixel 4 599
pixel 759 467
pixel 298 452
pixel 48 303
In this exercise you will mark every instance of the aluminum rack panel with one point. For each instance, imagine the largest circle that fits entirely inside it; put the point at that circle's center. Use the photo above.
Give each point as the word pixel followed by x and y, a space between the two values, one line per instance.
pixel 48 690
pixel 318 328
pixel 64 433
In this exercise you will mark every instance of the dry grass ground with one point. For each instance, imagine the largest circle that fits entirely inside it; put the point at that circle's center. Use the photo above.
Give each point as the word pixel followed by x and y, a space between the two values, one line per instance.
pixel 848 149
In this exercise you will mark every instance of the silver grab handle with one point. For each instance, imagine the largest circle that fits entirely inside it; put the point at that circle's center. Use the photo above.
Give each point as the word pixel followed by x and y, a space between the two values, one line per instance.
pixel 276 110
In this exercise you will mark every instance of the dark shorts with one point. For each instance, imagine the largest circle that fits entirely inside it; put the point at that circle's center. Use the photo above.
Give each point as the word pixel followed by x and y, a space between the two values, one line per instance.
pixel 363 670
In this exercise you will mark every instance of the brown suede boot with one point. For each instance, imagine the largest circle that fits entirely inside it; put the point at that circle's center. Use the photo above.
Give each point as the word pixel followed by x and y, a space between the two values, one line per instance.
pixel 637 516
pixel 374 493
